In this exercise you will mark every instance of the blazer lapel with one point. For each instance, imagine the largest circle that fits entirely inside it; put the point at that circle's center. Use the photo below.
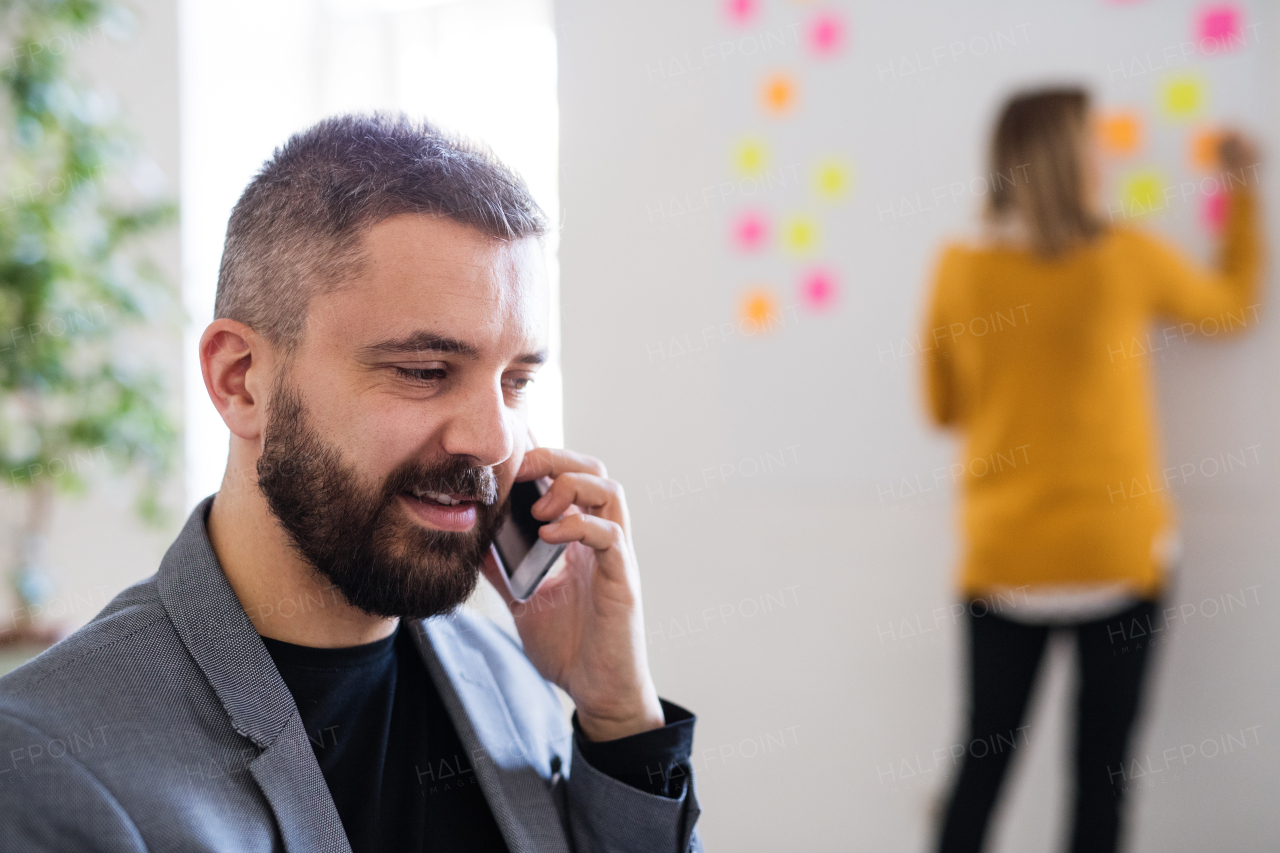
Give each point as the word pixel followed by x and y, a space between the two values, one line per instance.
pixel 290 779
pixel 219 636
pixel 521 800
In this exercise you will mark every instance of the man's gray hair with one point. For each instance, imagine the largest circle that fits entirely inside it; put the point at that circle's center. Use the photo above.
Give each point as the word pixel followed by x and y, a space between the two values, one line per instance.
pixel 295 232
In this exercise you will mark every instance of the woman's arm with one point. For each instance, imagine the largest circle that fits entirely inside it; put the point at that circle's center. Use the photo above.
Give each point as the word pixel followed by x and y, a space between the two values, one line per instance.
pixel 939 360
pixel 1189 292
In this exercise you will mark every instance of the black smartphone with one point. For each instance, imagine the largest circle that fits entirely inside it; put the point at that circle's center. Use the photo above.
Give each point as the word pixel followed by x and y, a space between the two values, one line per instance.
pixel 525 559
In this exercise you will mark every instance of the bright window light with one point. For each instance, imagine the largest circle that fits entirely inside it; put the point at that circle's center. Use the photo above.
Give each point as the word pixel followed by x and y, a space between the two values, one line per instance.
pixel 256 71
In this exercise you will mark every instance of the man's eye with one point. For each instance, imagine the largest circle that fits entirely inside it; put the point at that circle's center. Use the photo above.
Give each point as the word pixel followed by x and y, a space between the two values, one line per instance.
pixel 426 374
pixel 519 383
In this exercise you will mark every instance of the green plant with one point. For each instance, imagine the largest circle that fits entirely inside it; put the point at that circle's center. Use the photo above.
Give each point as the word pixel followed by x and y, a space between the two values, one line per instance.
pixel 76 284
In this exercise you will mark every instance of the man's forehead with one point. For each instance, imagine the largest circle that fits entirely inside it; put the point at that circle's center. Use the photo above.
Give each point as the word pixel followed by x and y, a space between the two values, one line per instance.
pixel 430 274
pixel 434 250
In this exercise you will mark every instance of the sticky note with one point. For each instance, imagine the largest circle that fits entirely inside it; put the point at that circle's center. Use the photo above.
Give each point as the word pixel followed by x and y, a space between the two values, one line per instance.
pixel 778 94
pixel 750 231
pixel 826 34
pixel 758 310
pixel 1213 211
pixel 832 178
pixel 1120 133
pixel 1219 29
pixel 1204 149
pixel 750 157
pixel 741 11
pixel 1142 193
pixel 818 289
pixel 1183 97
pixel 800 234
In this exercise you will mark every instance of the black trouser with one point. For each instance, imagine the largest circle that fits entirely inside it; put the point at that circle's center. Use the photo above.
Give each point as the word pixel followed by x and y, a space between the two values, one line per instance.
pixel 1004 657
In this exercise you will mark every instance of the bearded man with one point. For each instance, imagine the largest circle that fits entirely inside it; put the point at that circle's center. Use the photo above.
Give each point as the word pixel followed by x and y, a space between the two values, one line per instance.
pixel 299 675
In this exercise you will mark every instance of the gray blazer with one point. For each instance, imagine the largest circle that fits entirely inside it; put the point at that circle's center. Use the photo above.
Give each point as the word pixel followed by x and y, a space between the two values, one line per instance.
pixel 163 725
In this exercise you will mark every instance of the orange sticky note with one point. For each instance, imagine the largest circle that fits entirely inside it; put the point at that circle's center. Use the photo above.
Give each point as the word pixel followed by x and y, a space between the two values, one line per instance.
pixel 758 309
pixel 1204 149
pixel 1120 133
pixel 778 93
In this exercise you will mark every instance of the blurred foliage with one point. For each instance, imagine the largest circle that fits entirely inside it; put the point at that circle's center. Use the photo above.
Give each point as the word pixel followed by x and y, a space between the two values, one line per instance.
pixel 76 286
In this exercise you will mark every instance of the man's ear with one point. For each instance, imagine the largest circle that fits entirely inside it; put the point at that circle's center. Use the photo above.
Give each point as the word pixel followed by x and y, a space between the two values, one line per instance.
pixel 236 364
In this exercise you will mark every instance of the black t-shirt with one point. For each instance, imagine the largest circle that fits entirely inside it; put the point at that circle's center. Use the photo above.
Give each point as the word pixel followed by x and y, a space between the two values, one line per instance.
pixel 398 773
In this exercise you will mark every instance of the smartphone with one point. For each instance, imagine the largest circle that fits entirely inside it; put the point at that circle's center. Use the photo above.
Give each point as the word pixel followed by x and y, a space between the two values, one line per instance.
pixel 525 560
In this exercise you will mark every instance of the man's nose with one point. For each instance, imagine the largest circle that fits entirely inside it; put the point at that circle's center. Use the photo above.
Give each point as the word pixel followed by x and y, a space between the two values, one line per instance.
pixel 478 427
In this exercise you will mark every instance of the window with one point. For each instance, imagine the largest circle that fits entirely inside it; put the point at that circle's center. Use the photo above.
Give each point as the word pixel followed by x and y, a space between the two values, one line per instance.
pixel 255 71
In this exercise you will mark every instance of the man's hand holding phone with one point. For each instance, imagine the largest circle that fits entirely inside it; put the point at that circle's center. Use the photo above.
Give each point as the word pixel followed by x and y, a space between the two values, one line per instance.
pixel 583 628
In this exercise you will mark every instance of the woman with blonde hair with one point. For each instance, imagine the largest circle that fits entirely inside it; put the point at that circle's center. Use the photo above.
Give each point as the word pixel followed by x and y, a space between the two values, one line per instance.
pixel 1048 394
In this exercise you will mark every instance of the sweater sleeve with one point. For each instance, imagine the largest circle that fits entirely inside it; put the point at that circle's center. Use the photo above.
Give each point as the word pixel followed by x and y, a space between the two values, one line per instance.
pixel 938 344
pixel 1187 291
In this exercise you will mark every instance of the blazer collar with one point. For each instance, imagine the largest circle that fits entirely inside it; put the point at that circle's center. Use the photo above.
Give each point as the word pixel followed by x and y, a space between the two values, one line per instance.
pixel 522 802
pixel 220 638
pixel 226 647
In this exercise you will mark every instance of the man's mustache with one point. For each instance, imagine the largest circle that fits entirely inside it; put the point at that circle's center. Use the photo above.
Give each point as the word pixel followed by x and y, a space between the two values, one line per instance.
pixel 453 477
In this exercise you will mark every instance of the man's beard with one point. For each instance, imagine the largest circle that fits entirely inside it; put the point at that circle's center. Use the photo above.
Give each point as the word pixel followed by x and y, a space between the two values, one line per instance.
pixel 358 537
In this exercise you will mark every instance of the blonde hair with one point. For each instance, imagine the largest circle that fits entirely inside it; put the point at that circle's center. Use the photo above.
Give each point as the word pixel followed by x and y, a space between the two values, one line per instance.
pixel 1039 144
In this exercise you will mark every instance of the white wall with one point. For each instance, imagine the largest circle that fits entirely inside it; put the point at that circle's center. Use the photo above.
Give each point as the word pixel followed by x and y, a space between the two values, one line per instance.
pixel 779 606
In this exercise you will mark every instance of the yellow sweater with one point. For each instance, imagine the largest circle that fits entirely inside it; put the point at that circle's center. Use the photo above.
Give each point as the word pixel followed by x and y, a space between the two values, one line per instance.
pixel 1044 366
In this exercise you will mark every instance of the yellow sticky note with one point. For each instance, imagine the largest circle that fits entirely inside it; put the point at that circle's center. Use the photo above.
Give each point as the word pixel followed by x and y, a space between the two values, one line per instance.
pixel 832 179
pixel 1183 96
pixel 750 157
pixel 1142 193
pixel 800 234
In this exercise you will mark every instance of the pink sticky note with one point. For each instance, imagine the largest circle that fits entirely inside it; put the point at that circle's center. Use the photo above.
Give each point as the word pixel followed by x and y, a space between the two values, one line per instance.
pixel 818 289
pixel 750 231
pixel 741 11
pixel 1213 211
pixel 826 34
pixel 1218 28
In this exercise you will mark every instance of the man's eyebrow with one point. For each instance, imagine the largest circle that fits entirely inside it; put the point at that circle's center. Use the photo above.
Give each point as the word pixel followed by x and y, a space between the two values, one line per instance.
pixel 539 357
pixel 421 342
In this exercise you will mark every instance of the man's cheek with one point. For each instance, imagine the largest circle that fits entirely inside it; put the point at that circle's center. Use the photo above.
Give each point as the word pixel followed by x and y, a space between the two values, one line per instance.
pixel 506 479
pixel 507 471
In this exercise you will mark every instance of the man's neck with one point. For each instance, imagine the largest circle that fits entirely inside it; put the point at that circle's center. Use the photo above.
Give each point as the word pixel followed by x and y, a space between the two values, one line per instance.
pixel 283 596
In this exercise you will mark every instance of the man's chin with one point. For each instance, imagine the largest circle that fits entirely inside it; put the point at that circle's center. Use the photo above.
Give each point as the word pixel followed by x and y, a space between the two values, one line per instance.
pixel 416 573
pixel 417 600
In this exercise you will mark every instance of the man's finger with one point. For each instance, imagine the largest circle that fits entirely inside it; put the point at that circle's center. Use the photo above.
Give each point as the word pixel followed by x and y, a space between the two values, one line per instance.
pixel 584 490
pixel 606 538
pixel 554 461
